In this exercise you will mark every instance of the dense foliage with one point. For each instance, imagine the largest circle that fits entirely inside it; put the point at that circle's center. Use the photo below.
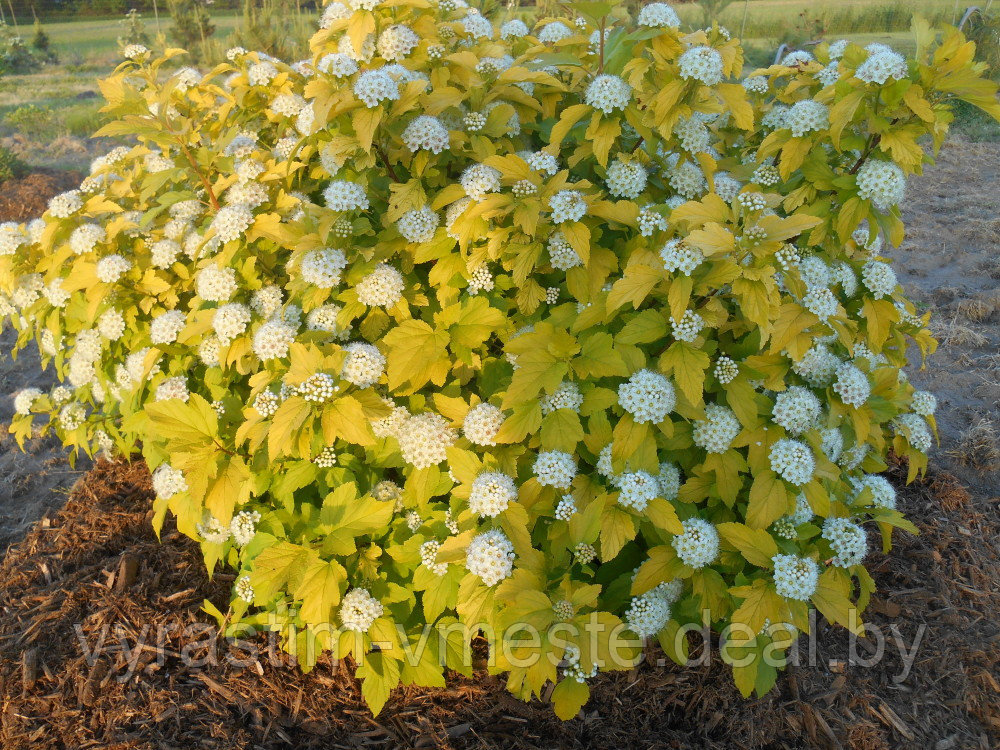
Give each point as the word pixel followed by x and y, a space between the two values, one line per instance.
pixel 568 337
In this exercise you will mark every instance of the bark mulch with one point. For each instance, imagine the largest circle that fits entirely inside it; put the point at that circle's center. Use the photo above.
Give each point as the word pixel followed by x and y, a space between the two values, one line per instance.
pixel 26 198
pixel 93 577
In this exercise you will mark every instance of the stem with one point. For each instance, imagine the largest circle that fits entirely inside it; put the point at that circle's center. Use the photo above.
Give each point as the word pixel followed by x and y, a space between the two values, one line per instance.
pixel 385 161
pixel 601 32
pixel 204 180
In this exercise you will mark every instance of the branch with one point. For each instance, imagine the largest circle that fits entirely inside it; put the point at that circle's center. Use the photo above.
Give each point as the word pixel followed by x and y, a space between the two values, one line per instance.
pixel 385 161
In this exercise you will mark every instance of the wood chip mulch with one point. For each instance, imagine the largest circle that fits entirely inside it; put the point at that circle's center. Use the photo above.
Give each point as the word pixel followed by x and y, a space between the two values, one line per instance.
pixel 26 198
pixel 95 571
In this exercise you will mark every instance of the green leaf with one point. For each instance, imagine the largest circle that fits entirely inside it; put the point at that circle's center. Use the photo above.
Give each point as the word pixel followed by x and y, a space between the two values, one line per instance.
pixel 598 358
pixel 320 590
pixel 561 430
pixel 756 545
pixel 688 366
pixel 344 517
pixel 278 568
pixel 416 354
pixel 379 675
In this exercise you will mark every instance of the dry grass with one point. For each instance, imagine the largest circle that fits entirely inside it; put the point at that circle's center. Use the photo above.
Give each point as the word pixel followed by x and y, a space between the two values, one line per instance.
pixel 976 310
pixel 953 333
pixel 979 447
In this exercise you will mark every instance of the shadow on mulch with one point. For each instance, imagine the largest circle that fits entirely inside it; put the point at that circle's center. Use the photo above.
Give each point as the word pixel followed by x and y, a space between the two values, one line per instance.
pixel 93 578
pixel 26 198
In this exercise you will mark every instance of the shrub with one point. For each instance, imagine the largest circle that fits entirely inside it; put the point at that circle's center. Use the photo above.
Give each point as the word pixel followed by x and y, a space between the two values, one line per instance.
pixel 10 165
pixel 16 56
pixel 517 332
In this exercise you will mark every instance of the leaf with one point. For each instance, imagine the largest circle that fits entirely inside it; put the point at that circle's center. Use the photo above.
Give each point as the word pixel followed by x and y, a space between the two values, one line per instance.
pixel 735 97
pixel 768 500
pixel 617 527
pixel 634 286
pixel 345 517
pixel 379 675
pixel 570 116
pixel 761 603
pixel 278 567
pixel 286 422
pixel 477 323
pixel 644 328
pixel 663 516
pixel 688 366
pixel 320 590
pixel 662 566
pixel 831 599
pixel 415 351
pixel 598 358
pixel 569 697
pixel 756 545
pixel 561 430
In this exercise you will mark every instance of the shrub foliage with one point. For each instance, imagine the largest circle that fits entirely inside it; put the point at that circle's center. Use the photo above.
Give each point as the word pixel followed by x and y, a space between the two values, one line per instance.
pixel 567 336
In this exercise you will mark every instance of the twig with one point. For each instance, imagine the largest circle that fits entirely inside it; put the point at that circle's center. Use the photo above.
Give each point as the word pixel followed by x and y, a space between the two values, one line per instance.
pixel 385 161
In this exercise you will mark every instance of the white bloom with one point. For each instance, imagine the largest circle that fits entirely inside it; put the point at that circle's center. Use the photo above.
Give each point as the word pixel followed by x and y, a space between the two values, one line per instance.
pixel 396 42
pixel 172 388
pixel 376 86
pixel 792 460
pixel 554 31
pixel 479 180
pixel 424 439
pixel 806 116
pixel 688 327
pixel 669 480
pixel 878 278
pixel 561 254
pixel 482 423
pixel 915 430
pixel 273 339
pixel 341 195
pixel 492 492
pixel 111 324
pixel 426 132
pixel 359 610
pixel 795 577
pixel 24 400
pixel 852 385
pixel 337 64
pixel 608 93
pixel 166 327
pixel 702 64
pixel 168 481
pixel 698 546
pixel 881 65
pixel 637 489
pixel 323 268
pixel 383 287
pixel 363 365
pixel 626 179
pixel 648 396
pixel 490 556
pixel 647 615
pixel 243 527
pixel 419 224
pixel 567 205
pixel 796 409
pixel 923 403
pixel 881 182
pixel 658 15
pixel 214 284
pixel 514 29
pixel 66 204
pixel 85 237
pixel 566 396
pixel 428 557
pixel 717 431
pixel 679 256
pixel 848 541
pixel 476 26
pixel 555 469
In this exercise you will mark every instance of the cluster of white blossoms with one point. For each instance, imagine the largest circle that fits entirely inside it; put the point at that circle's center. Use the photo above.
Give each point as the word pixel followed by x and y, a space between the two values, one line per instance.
pixel 702 64
pixel 230 321
pixel 797 409
pixel 342 195
pixel 216 284
pixel 852 385
pixel 818 366
pixel 567 205
pixel 491 493
pixel 915 430
pixel 424 439
pixel 698 546
pixel 482 423
pixel 213 531
pixel 383 287
pixel 636 490
pixel 231 222
pixel 878 278
pixel 795 577
pixel 323 268
pixel 168 481
pixel 25 399
pixel 848 541
pixel 688 327
pixel 647 614
pixel 359 609
pixel 243 527
pixel 479 180
pixel 669 480
pixel 923 403
pixel 428 133
pixel 363 365
pixel 272 340
pixel 678 256
pixel 85 238
pixel 165 327
pixel 565 508
pixel 883 493
pixel 626 179
pixel 244 589
pixel 792 460
pixel 555 469
pixel 318 387
pixel 806 116
pixel 608 93
pixel 111 268
pixel 375 86
pixel 882 64
pixel 490 556
pixel 787 526
pixel 726 370
pixel 881 182
pixel 418 225
pixel 562 256
pixel 648 396
pixel 715 433
pixel 566 396
pixel 428 557
pixel 554 31
pixel 170 388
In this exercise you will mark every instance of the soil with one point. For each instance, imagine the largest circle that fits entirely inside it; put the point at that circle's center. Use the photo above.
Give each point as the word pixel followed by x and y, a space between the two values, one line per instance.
pixel 25 198
pixel 96 563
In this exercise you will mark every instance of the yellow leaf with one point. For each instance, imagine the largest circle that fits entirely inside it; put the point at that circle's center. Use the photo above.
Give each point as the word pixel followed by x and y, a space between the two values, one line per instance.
pixel 769 500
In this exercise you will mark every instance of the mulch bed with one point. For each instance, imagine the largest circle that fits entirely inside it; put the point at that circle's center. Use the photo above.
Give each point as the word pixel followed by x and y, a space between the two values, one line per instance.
pixel 26 198
pixel 96 567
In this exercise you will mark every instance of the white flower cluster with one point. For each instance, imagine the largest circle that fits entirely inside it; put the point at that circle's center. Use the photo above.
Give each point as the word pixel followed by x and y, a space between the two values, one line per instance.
pixel 555 469
pixel 923 403
pixel 566 396
pixel 418 224
pixel 359 609
pixel 396 42
pixel 915 430
pixel 383 287
pixel 482 423
pixel 698 546
pixel 626 179
pixel 648 396
pixel 881 65
pixel 818 366
pixel 492 492
pixel 795 577
pixel 243 527
pixel 424 439
pixel 848 541
pixel 677 255
pixel 341 195
pixel 688 327
pixel 792 460
pixel 213 531
pixel 214 284
pixel 796 409
pixel 428 557
pixel 702 64
pixel 878 278
pixel 490 556
pixel 565 508
pixel 647 614
pixel 375 86
pixel 244 589
pixel 717 431
pixel 821 302
pixel 881 182
pixel 669 480
pixel 567 205
pixel 637 489
pixel 883 493
pixel 168 481
pixel 85 238
pixel 554 31
pixel 317 388
pixel 852 385
pixel 608 93
pixel 272 340
pixel 658 15
pixel 562 256
pixel 25 399
pixel 363 365
pixel 170 388
pixel 806 116
pixel 324 267
pixel 479 180
pixel 726 370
